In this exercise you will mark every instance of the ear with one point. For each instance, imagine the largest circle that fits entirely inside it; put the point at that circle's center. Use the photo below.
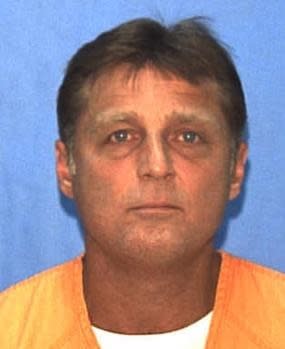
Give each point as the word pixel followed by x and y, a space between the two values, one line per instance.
pixel 63 172
pixel 238 170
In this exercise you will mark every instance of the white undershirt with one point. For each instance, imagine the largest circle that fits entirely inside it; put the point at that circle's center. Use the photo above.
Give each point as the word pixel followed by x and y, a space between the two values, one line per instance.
pixel 190 337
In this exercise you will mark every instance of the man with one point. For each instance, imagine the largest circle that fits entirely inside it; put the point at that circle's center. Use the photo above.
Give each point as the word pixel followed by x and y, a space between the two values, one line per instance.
pixel 151 122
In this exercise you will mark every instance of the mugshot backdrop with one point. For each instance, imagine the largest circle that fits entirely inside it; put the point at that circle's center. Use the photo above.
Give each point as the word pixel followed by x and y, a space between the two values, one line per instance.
pixel 38 227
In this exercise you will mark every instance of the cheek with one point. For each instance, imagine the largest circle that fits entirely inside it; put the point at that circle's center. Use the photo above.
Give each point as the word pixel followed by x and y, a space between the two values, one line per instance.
pixel 93 195
pixel 206 190
pixel 206 183
pixel 99 185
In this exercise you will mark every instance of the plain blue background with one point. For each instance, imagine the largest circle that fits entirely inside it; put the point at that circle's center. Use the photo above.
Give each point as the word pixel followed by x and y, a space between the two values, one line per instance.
pixel 38 228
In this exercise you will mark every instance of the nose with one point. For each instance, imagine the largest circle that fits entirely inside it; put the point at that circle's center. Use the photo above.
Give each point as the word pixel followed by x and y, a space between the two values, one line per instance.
pixel 154 160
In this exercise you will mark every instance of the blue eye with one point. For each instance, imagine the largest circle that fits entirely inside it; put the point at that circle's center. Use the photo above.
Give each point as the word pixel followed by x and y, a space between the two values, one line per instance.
pixel 119 136
pixel 189 137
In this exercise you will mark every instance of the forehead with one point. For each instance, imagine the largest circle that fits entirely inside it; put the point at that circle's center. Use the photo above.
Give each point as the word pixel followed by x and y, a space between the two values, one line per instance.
pixel 151 94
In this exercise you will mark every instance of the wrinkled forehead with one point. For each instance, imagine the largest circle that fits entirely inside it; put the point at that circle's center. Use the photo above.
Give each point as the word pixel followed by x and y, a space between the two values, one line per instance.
pixel 118 84
pixel 153 100
pixel 148 76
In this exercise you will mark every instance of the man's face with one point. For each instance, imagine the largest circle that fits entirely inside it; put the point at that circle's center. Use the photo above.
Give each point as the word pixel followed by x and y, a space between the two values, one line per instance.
pixel 154 167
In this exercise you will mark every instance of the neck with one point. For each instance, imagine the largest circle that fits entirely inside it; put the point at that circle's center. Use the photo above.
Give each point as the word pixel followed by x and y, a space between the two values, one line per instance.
pixel 133 301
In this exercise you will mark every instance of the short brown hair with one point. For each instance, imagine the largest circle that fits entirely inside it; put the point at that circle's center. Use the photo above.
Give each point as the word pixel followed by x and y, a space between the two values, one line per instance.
pixel 188 49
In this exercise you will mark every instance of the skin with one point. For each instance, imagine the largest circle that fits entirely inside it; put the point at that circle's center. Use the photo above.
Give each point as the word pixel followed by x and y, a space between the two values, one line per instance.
pixel 150 140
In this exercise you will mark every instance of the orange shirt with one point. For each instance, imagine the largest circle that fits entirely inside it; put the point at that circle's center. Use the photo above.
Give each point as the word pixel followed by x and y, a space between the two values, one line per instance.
pixel 48 311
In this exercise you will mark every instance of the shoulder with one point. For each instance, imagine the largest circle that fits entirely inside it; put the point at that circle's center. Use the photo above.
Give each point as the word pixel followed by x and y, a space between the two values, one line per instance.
pixel 251 282
pixel 29 308
pixel 247 271
pixel 253 299
pixel 46 277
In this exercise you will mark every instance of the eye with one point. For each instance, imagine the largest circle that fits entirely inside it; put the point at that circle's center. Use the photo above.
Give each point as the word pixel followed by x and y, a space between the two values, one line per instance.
pixel 189 137
pixel 120 136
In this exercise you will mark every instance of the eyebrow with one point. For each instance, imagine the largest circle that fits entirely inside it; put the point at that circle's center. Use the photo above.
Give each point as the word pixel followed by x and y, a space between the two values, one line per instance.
pixel 108 118
pixel 199 118
pixel 186 117
pixel 114 116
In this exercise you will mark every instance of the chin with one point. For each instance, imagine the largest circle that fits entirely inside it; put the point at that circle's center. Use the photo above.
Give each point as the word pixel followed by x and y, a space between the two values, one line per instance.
pixel 163 250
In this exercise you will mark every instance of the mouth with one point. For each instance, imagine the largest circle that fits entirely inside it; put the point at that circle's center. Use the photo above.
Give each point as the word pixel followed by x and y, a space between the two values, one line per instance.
pixel 156 209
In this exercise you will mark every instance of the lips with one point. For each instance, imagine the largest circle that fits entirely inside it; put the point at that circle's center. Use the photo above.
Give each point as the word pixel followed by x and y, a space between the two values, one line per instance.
pixel 155 206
